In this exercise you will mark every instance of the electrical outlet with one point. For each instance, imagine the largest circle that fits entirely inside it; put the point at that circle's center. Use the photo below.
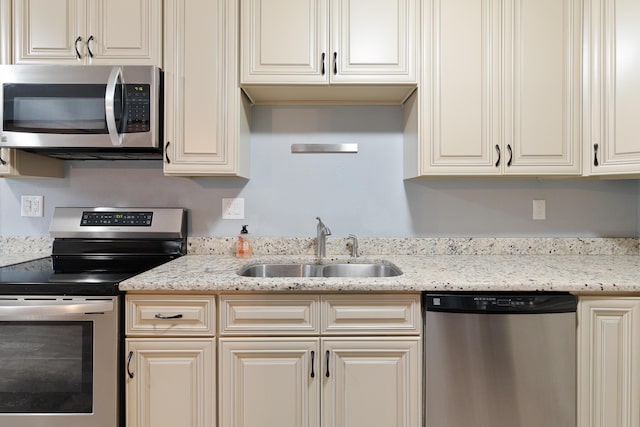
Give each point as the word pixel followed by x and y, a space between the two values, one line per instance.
pixel 233 208
pixel 539 209
pixel 32 206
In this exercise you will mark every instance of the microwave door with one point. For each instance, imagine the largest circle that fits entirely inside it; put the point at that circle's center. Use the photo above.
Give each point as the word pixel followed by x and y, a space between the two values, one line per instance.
pixel 115 79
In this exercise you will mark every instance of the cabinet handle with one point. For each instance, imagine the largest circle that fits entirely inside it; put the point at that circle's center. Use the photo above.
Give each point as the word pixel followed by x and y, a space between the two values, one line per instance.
pixel 323 71
pixel 335 63
pixel 163 317
pixel 129 364
pixel 595 155
pixel 89 45
pixel 75 46
pixel 313 356
pixel 327 373
pixel 499 155
pixel 166 151
pixel 510 154
pixel 2 161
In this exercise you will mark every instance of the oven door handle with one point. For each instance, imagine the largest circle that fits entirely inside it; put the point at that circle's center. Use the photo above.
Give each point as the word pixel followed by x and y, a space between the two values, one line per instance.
pixel 52 308
pixel 109 104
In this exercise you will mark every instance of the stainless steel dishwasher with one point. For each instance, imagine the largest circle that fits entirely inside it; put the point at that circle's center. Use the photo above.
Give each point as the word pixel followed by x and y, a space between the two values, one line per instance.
pixel 500 360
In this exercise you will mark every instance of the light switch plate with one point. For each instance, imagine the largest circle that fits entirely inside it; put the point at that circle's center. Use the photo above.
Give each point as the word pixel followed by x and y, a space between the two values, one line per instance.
pixel 233 208
pixel 539 209
pixel 32 206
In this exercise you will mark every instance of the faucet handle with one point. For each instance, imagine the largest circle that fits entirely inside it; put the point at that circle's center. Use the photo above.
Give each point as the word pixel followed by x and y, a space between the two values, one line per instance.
pixel 354 245
pixel 323 227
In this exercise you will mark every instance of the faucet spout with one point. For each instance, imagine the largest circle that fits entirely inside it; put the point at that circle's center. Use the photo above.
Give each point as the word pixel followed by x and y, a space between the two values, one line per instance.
pixel 323 232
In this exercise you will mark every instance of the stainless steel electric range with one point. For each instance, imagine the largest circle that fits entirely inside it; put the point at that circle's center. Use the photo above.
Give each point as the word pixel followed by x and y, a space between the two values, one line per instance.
pixel 61 317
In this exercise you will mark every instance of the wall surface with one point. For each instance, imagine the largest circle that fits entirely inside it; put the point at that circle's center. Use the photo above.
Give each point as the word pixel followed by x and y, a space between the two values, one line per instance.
pixel 361 193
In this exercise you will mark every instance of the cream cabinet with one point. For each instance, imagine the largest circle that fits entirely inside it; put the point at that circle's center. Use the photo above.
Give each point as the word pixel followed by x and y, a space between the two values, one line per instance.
pixel 290 46
pixel 88 32
pixel 330 360
pixel 608 365
pixel 170 371
pixel 613 90
pixel 20 164
pixel 501 90
pixel 206 114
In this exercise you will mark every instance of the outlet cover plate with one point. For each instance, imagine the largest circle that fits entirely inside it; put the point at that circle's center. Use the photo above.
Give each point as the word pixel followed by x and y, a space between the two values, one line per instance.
pixel 233 208
pixel 32 206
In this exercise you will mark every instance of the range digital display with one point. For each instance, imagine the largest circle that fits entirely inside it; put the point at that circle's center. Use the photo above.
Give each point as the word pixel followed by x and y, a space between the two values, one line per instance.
pixel 116 219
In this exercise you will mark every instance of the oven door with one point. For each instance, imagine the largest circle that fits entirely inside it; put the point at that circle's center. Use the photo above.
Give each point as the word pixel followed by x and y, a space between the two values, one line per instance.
pixel 58 361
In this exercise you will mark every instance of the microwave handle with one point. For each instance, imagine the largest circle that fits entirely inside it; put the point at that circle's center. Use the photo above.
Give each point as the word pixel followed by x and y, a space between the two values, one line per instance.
pixel 109 105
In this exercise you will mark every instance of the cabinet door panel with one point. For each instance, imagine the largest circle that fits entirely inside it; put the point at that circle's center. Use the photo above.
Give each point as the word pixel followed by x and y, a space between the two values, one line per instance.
pixel 542 86
pixel 609 379
pixel 461 96
pixel 126 32
pixel 614 87
pixel 173 383
pixel 267 382
pixel 283 41
pixel 373 41
pixel 46 31
pixel 372 382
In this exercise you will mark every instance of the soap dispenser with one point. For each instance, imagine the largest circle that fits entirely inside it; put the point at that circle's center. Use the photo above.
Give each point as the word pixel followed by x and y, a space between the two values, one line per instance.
pixel 243 250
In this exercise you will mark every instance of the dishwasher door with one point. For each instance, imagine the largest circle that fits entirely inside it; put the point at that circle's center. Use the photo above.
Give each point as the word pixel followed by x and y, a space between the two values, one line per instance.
pixel 500 360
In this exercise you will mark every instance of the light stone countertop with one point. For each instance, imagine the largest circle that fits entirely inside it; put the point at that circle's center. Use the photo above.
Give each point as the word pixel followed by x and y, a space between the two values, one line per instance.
pixel 576 273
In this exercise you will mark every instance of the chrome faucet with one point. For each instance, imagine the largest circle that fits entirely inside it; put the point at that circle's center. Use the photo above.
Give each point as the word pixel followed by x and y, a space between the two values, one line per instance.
pixel 323 232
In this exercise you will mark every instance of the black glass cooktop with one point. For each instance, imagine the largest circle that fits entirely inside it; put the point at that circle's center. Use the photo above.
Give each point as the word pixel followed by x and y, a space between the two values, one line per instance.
pixel 72 275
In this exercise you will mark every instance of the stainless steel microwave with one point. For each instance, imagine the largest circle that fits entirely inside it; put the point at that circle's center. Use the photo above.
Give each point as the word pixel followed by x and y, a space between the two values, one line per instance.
pixel 82 112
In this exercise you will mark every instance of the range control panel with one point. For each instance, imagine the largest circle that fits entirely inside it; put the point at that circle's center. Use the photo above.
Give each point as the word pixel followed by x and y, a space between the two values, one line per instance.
pixel 110 219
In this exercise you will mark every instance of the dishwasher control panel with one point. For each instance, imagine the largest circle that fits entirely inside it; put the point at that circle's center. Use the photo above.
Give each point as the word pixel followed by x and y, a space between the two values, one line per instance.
pixel 514 302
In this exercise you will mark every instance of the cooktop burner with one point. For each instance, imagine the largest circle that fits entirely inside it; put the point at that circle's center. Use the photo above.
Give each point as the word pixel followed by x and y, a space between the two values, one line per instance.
pixel 97 248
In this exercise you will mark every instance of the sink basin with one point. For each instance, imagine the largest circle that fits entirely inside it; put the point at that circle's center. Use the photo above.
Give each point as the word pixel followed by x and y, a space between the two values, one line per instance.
pixel 376 269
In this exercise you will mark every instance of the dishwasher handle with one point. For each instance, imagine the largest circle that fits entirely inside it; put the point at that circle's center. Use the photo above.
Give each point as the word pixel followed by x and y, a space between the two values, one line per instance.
pixel 501 303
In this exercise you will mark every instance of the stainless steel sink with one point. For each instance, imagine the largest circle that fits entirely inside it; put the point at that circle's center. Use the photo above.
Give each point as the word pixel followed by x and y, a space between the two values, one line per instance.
pixel 376 269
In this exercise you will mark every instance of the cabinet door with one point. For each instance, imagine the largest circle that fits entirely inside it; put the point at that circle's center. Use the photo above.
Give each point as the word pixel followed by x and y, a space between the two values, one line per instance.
pixel 284 41
pixel 609 374
pixel 20 164
pixel 612 133
pixel 206 118
pixel 269 382
pixel 459 99
pixel 371 382
pixel 47 31
pixel 374 41
pixel 173 383
pixel 542 87
pixel 125 32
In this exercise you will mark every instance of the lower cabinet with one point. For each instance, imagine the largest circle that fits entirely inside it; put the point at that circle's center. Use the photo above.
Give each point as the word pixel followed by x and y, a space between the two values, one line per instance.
pixel 608 365
pixel 170 361
pixel 354 362
pixel 171 382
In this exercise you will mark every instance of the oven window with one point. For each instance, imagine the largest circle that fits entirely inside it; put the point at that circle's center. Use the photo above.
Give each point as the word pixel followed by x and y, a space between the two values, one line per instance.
pixel 46 367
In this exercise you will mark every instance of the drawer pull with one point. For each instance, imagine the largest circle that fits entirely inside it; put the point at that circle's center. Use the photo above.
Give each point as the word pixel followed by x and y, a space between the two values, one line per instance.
pixel 162 316
pixel 129 364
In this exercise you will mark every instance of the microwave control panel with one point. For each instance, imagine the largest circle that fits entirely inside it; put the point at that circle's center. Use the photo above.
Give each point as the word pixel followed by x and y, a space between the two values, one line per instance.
pixel 138 110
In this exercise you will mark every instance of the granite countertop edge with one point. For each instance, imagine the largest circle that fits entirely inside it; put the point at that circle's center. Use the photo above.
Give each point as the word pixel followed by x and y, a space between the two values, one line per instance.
pixel 570 273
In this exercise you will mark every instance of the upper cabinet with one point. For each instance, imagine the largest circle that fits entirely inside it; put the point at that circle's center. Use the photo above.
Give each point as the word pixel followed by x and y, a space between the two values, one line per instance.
pixel 127 32
pixel 329 50
pixel 206 114
pixel 613 88
pixel 500 91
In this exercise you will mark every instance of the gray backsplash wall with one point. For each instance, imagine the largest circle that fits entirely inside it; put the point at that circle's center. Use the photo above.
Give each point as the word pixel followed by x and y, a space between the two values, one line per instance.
pixel 361 193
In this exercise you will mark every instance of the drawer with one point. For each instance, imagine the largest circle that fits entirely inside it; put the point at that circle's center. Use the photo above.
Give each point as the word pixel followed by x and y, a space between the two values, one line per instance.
pixel 170 315
pixel 383 314
pixel 269 315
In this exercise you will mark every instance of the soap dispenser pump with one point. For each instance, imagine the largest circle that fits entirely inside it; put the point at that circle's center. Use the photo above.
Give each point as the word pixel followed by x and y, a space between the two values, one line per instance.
pixel 243 250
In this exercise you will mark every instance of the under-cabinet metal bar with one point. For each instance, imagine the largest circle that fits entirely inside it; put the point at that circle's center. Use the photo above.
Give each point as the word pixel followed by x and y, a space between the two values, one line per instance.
pixel 324 148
